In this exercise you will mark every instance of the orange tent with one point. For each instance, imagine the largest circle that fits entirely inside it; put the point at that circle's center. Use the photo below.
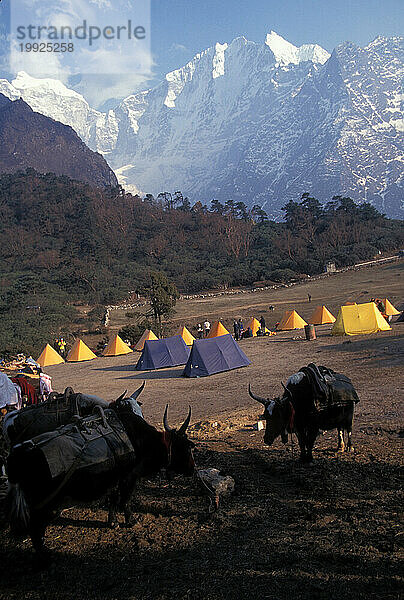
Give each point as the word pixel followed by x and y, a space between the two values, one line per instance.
pixel 349 303
pixel 79 352
pixel 217 330
pixel 186 335
pixel 116 347
pixel 49 356
pixel 389 308
pixel 147 335
pixel 321 316
pixel 254 325
pixel 291 320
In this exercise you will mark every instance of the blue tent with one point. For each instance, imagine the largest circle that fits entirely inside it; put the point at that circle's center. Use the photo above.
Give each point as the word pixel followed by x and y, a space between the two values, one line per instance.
pixel 168 352
pixel 214 355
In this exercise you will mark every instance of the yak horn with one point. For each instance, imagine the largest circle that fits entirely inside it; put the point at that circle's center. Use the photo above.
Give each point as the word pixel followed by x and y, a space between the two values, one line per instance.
pixel 286 389
pixel 138 391
pixel 68 392
pixel 122 396
pixel 185 424
pixel 166 425
pixel 257 398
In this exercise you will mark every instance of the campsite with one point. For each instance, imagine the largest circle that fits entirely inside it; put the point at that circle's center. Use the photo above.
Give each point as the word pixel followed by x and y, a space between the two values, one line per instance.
pixel 289 531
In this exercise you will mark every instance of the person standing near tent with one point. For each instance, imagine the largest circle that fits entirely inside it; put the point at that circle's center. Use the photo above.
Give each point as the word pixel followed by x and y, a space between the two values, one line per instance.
pixel 206 327
pixel 62 347
pixel 240 328
pixel 199 331
pixel 45 385
pixel 236 330
pixel 309 297
pixel 262 324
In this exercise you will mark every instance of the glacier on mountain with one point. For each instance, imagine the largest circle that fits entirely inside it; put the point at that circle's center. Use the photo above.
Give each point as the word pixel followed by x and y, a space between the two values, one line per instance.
pixel 261 123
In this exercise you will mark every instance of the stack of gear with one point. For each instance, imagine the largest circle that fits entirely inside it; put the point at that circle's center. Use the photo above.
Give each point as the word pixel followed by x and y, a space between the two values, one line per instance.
pixel 29 388
pixel 89 447
pixel 324 384
pixel 45 416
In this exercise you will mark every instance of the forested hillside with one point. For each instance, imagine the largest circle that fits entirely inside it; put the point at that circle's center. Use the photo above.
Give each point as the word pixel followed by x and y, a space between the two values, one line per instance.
pixel 62 241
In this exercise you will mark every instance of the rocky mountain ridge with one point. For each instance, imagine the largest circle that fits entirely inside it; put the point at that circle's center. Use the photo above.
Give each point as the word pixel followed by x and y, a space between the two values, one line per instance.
pixel 31 140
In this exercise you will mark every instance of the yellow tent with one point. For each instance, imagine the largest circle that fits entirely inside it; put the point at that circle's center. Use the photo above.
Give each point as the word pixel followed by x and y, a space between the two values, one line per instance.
pixel 389 308
pixel 359 319
pixel 321 316
pixel 80 352
pixel 115 347
pixel 254 325
pixel 217 330
pixel 147 335
pixel 186 335
pixel 291 320
pixel 49 356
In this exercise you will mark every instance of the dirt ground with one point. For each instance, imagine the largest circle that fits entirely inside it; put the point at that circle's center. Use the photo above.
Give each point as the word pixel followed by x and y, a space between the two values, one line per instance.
pixel 329 531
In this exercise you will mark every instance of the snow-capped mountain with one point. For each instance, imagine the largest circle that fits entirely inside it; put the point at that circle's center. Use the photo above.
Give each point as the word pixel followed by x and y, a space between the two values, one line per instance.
pixel 261 123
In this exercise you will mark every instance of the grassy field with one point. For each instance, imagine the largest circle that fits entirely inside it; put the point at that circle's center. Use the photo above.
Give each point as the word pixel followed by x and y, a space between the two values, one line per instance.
pixel 358 286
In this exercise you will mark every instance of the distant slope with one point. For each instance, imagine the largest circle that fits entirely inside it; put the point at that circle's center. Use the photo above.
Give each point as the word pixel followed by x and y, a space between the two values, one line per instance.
pixel 31 140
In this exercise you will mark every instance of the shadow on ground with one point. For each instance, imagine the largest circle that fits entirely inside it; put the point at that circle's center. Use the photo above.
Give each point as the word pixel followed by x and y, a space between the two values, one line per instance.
pixel 328 532
pixel 157 374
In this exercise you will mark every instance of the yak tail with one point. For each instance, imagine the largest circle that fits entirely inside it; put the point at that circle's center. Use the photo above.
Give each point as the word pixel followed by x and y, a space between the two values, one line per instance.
pixel 18 509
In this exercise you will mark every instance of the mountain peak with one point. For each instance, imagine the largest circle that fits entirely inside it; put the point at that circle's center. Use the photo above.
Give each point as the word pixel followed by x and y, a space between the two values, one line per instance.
pixel 286 53
pixel 24 81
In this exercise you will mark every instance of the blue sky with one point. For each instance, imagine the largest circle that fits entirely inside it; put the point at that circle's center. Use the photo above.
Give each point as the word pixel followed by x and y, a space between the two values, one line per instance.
pixel 182 28
pixel 198 24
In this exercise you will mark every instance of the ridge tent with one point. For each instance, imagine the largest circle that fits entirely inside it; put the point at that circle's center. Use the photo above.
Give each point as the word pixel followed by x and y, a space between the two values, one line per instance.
pixel 389 309
pixel 291 320
pixel 254 325
pixel 186 335
pixel 214 355
pixel 359 319
pixel 321 316
pixel 80 352
pixel 147 335
pixel 115 347
pixel 168 352
pixel 217 330
pixel 49 356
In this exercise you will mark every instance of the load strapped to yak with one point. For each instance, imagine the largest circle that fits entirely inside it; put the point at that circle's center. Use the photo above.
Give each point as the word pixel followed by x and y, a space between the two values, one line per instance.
pixel 93 444
pixel 323 385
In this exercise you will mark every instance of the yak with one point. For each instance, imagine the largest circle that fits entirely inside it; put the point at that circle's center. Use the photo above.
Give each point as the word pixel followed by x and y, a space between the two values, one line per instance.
pixel 314 399
pixel 87 460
